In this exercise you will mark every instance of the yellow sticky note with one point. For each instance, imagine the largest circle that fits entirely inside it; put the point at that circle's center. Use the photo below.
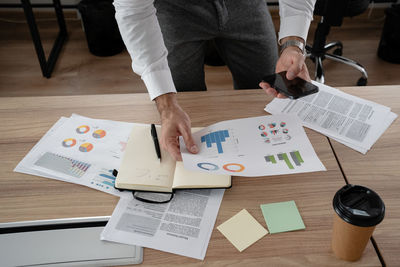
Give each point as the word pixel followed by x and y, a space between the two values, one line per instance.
pixel 242 230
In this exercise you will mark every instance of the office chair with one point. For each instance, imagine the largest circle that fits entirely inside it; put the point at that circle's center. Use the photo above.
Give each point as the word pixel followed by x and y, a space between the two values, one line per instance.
pixel 332 13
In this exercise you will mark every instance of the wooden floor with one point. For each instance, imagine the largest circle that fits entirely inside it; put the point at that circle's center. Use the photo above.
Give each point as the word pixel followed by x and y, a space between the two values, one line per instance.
pixel 79 72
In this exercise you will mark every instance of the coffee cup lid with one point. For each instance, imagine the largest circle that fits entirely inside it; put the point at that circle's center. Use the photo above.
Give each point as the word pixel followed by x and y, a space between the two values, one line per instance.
pixel 359 205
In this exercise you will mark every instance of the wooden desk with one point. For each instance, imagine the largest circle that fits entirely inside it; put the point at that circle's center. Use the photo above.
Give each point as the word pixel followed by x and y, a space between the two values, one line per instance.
pixel 24 197
pixel 379 169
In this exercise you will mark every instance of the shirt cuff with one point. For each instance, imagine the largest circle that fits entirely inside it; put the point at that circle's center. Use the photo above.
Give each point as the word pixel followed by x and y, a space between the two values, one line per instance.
pixel 159 83
pixel 294 26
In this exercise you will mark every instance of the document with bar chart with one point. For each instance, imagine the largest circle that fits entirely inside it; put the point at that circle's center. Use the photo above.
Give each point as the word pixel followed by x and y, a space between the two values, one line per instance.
pixel 80 150
pixel 259 146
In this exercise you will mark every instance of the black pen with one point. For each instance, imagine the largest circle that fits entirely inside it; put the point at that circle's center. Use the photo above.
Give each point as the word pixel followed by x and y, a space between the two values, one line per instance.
pixel 155 140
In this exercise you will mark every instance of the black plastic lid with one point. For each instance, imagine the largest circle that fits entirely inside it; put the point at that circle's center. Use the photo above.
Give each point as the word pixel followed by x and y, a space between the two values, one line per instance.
pixel 359 205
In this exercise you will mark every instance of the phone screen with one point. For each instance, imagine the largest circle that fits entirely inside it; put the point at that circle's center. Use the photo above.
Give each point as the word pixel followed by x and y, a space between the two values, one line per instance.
pixel 293 89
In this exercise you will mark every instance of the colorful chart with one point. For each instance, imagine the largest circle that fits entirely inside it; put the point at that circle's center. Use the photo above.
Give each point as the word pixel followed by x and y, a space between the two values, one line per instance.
pixel 69 142
pixel 233 167
pixel 274 132
pixel 105 179
pixel 297 159
pixel 273 135
pixel 215 138
pixel 99 134
pixel 86 147
pixel 63 164
pixel 270 158
pixel 284 156
pixel 82 129
pixel 207 166
pixel 295 155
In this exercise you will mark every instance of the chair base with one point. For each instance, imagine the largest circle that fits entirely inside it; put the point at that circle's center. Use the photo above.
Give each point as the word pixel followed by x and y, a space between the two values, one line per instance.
pixel 318 57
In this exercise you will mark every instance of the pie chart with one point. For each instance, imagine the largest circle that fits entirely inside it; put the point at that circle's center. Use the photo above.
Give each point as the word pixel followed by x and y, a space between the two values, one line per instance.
pixel 86 147
pixel 99 134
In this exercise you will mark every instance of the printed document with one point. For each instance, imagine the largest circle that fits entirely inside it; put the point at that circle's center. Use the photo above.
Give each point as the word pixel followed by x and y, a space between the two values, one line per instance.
pixel 258 146
pixel 182 226
pixel 80 150
pixel 351 120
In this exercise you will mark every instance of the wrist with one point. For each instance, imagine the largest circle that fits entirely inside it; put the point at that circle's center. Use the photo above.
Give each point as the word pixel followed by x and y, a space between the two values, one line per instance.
pixel 292 42
pixel 166 102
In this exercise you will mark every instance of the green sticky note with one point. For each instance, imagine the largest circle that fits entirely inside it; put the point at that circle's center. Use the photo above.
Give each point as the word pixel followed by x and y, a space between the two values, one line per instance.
pixel 282 217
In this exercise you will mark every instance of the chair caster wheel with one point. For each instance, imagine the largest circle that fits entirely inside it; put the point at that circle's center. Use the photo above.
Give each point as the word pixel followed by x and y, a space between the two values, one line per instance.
pixel 362 82
pixel 338 52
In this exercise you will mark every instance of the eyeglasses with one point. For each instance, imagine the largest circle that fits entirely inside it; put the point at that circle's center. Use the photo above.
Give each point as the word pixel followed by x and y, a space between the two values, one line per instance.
pixel 150 197
pixel 153 197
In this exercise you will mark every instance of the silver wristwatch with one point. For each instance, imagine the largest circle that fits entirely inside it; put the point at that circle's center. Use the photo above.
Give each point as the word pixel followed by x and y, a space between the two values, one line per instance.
pixel 295 43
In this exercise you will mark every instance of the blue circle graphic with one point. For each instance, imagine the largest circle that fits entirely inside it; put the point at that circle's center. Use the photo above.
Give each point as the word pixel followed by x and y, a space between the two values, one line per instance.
pixel 204 165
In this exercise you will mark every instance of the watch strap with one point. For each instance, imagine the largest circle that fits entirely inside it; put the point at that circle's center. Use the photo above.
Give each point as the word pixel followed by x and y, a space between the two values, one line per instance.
pixel 296 43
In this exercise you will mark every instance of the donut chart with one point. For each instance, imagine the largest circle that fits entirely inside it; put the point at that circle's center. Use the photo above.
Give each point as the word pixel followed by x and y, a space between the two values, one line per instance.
pixel 82 129
pixel 236 167
pixel 69 142
pixel 206 166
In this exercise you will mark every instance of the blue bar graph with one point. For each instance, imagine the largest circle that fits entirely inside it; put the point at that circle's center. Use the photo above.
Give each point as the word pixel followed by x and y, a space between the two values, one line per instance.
pixel 215 138
pixel 105 178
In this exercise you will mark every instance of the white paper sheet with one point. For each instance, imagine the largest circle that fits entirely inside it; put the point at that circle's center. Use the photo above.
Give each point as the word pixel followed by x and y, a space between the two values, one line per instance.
pixel 80 150
pixel 351 120
pixel 182 226
pixel 259 146
pixel 23 167
pixel 387 122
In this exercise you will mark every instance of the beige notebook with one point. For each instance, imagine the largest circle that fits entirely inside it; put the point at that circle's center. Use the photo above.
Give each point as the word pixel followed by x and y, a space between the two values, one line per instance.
pixel 142 170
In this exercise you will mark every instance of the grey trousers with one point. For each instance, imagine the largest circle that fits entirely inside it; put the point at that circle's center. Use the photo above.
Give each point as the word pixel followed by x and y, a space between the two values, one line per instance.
pixel 242 31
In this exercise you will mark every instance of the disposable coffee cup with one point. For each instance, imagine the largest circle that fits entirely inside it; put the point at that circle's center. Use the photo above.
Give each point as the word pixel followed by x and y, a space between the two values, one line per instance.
pixel 357 212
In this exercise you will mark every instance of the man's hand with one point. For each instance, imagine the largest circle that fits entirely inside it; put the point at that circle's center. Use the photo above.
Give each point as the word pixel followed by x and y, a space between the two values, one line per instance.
pixel 291 60
pixel 174 123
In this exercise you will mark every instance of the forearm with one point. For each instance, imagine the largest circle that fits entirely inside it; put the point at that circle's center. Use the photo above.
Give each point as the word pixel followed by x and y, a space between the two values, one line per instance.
pixel 166 102
pixel 143 39
pixel 295 17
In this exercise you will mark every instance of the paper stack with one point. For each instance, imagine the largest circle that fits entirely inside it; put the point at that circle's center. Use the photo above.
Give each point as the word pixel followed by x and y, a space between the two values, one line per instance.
pixel 80 150
pixel 85 151
pixel 350 120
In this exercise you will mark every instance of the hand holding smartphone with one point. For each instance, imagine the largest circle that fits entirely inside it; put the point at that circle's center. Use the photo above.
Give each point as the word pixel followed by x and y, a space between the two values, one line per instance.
pixel 293 89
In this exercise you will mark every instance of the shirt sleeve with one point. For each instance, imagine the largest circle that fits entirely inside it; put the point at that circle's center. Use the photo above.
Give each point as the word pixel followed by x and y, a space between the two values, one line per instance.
pixel 143 39
pixel 295 16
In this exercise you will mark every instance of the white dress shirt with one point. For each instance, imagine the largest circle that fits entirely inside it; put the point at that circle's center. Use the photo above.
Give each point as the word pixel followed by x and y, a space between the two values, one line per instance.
pixel 142 36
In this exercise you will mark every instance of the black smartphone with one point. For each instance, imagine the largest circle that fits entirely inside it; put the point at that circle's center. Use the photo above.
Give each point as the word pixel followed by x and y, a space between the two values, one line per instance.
pixel 293 89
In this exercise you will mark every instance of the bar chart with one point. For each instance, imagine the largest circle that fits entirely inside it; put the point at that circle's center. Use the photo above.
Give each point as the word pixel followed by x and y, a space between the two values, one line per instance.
pixel 270 159
pixel 294 155
pixel 297 159
pixel 284 157
pixel 104 179
pixel 63 164
pixel 217 138
pixel 219 142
